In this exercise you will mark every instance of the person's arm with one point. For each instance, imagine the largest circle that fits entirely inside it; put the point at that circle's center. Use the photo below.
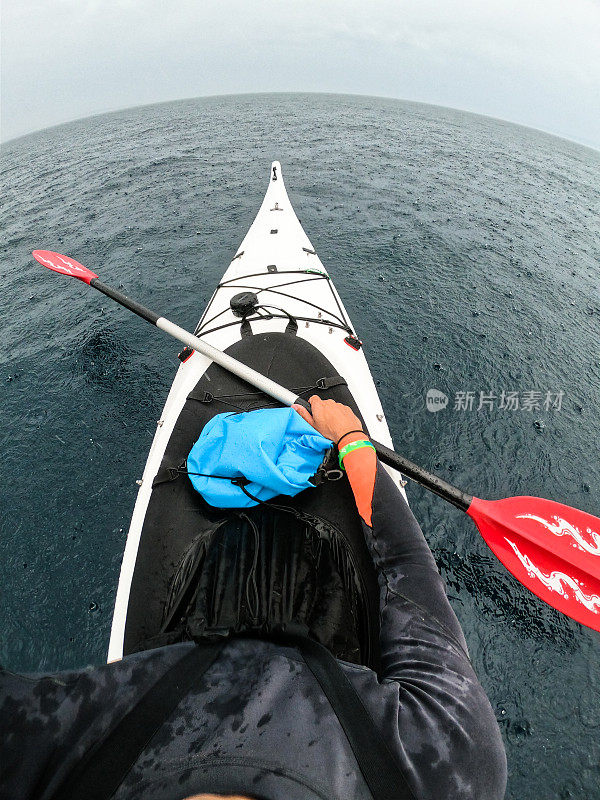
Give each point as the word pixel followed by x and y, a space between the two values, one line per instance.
pixel 446 727
pixel 405 565
pixel 339 423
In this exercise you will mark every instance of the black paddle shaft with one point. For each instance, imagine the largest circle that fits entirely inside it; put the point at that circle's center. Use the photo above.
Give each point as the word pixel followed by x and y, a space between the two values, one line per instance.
pixel 436 485
pixel 123 300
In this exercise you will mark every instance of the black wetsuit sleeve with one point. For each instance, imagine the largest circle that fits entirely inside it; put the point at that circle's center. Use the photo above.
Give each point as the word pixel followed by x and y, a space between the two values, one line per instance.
pixel 445 720
pixel 410 584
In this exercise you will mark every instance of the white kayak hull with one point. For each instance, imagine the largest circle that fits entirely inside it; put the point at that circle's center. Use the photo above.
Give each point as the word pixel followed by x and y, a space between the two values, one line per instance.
pixel 277 261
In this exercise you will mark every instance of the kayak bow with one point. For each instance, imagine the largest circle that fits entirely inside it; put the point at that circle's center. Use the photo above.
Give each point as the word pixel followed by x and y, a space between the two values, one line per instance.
pixel 275 284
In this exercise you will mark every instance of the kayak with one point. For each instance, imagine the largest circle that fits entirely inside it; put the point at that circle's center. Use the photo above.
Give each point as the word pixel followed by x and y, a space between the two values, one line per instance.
pixel 277 310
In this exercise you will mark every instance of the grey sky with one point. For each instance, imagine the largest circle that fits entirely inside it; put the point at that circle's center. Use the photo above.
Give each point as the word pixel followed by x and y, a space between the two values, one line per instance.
pixel 532 62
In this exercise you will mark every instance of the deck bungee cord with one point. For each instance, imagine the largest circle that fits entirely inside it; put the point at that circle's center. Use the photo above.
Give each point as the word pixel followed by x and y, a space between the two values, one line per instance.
pixel 235 283
pixel 321 384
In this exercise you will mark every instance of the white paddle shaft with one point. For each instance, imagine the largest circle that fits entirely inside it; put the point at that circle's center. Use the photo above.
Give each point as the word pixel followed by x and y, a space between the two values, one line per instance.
pixel 242 371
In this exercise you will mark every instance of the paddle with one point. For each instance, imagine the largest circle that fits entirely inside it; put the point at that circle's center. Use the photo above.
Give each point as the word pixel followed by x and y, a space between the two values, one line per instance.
pixel 552 549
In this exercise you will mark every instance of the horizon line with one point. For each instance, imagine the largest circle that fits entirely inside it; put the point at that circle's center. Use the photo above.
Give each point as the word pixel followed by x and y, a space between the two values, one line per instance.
pixel 582 143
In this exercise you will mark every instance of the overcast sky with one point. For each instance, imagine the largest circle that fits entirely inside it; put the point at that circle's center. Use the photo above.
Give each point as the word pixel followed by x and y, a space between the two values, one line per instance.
pixel 535 62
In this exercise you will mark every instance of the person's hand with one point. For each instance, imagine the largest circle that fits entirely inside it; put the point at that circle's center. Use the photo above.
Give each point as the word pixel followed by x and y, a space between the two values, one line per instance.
pixel 331 419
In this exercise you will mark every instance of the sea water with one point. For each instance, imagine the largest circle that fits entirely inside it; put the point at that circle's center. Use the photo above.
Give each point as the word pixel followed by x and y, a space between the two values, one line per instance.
pixel 467 253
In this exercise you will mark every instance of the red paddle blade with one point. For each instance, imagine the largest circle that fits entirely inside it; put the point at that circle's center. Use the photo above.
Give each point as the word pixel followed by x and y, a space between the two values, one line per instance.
pixel 551 548
pixel 64 265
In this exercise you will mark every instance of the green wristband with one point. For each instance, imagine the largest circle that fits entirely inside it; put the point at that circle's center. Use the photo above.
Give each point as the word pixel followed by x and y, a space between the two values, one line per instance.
pixel 350 447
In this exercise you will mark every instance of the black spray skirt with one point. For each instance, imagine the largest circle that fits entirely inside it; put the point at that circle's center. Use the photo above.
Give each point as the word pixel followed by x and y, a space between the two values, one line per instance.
pixel 265 569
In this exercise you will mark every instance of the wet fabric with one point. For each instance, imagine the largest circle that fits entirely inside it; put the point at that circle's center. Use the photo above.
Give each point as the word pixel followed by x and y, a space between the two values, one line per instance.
pixel 265 568
pixel 258 724
pixel 273 449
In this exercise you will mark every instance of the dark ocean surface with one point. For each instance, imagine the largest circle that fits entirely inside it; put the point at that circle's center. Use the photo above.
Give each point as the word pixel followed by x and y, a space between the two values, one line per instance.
pixel 467 253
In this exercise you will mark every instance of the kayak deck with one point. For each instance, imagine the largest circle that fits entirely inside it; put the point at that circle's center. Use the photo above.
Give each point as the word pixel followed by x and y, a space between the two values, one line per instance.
pixel 177 515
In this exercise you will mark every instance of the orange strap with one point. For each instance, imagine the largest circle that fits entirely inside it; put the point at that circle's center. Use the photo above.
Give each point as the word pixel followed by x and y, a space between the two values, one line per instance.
pixel 361 466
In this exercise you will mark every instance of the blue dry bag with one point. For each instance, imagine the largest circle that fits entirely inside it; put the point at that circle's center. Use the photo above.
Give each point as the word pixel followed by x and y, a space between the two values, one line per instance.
pixel 274 449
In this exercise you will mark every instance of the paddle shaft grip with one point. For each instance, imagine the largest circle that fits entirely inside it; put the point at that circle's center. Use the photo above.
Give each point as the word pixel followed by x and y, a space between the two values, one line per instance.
pixel 436 485
pixel 123 300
